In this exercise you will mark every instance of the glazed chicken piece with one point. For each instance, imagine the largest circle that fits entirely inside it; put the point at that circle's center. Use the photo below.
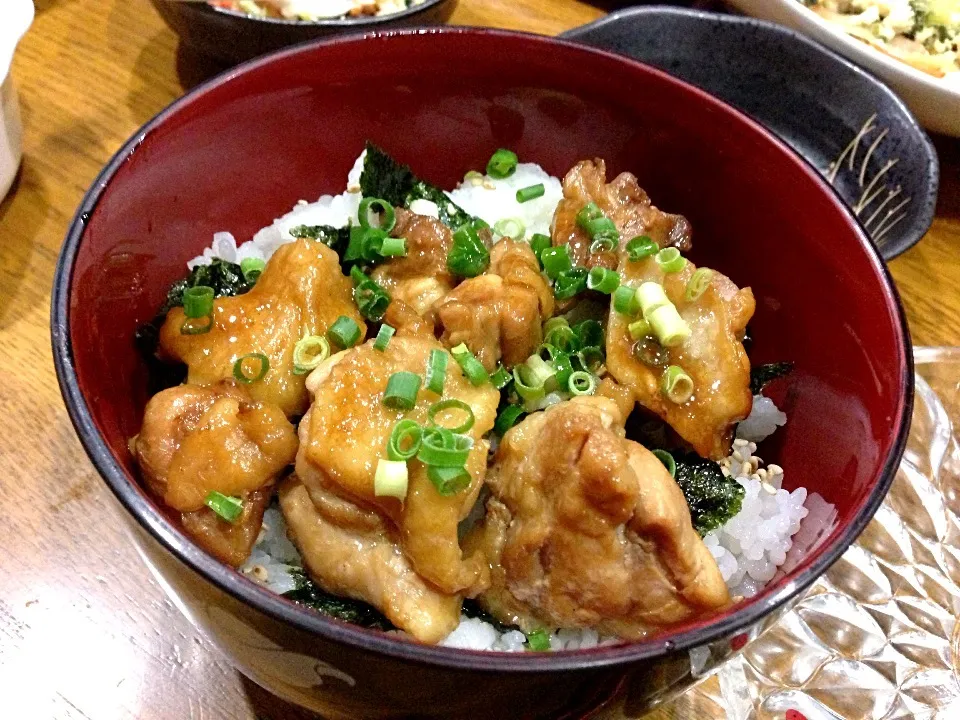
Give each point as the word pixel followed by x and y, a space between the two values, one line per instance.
pixel 420 278
pixel 713 356
pixel 346 432
pixel 624 202
pixel 500 314
pixel 196 440
pixel 586 529
pixel 356 553
pixel 301 292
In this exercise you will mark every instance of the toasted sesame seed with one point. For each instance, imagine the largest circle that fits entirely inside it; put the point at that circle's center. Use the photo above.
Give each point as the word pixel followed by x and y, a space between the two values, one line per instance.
pixel 774 469
pixel 260 573
pixel 489 185
pixel 353 188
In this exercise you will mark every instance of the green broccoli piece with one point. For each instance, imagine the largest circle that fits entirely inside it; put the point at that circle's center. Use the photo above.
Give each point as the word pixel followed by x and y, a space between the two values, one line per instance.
pixel 306 592
pixel 385 178
pixel 762 375
pixel 713 497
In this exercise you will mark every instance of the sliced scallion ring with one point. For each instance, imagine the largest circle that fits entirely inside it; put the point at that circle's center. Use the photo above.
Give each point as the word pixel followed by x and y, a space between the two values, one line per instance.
pixel 401 391
pixel 447 405
pixel 510 227
pixel 502 164
pixel 391 479
pixel 668 461
pixel 198 301
pixel 676 384
pixel 437 371
pixel 698 283
pixel 384 335
pixel 670 260
pixel 443 448
pixel 553 323
pixel 563 338
pixel 309 352
pixel 448 480
pixel 603 280
pixel 226 506
pixel 405 439
pixel 531 192
pixel 507 418
pixel 641 247
pixel 344 332
pixel 240 372
pixel 625 300
pixel 377 213
pixel 472 368
pixel 582 383
pixel 251 268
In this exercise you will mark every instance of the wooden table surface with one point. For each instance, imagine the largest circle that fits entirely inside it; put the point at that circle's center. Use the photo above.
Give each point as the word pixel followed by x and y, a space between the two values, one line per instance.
pixel 85 632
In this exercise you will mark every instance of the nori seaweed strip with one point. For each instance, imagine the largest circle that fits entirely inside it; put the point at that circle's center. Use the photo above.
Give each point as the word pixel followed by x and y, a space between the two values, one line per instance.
pixel 385 178
pixel 713 497
pixel 306 592
pixel 761 375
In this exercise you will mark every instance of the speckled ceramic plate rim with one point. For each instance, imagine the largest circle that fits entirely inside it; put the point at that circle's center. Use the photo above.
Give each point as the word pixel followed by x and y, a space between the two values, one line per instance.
pixel 926 193
pixel 363 23
pixel 308 621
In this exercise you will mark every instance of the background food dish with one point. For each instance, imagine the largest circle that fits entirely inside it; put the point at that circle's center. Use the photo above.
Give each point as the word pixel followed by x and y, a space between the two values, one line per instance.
pixel 813 99
pixel 548 100
pixel 15 18
pixel 233 37
pixel 935 101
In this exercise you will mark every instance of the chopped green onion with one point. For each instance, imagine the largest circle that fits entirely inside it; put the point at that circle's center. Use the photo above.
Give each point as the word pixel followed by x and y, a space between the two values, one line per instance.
pixel 452 404
pixel 603 280
pixel 639 329
pixel 590 333
pixel 538 640
pixel 226 506
pixel 540 372
pixel 391 479
pixel 377 213
pixel 603 243
pixel 191 327
pixel 371 244
pixel 601 227
pixel 591 360
pixel 529 390
pixel 383 337
pixel 590 211
pixel 625 300
pixel 502 164
pixel 507 418
pixel 240 374
pixel 472 368
pixel 641 247
pixel 501 378
pixel 553 323
pixel 556 260
pixel 401 392
pixel 510 227
pixel 443 448
pixel 668 326
pixel 698 283
pixel 448 480
pixel 548 352
pixel 564 369
pixel 371 299
pixel 582 383
pixel 251 268
pixel 354 249
pixel 394 247
pixel 676 384
pixel 344 332
pixel 651 296
pixel 668 461
pixel 309 352
pixel 563 338
pixel 468 256
pixel 670 260
pixel 538 243
pixel 405 440
pixel 531 192
pixel 198 301
pixel 570 283
pixel 437 371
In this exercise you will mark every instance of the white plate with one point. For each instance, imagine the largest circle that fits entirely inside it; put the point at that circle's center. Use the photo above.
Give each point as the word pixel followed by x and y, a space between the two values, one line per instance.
pixel 935 101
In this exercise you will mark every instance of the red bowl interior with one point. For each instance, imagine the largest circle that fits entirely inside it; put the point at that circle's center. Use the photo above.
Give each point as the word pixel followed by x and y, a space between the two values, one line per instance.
pixel 242 150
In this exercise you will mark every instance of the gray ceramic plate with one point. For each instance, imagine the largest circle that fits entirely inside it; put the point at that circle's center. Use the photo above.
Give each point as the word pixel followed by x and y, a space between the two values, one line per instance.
pixel 841 119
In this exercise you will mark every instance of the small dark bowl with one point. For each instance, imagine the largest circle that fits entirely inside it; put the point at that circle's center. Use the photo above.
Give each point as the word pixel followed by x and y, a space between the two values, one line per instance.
pixel 233 37
pixel 814 99
pixel 241 150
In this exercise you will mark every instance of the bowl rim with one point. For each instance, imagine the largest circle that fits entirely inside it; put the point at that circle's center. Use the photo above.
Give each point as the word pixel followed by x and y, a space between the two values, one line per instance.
pixel 358 23
pixel 245 591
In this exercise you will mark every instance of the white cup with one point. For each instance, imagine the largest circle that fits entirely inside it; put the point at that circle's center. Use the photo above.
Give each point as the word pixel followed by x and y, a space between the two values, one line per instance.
pixel 15 19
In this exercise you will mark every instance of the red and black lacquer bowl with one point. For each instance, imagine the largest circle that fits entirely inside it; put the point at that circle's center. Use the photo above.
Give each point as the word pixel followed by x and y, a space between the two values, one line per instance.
pixel 241 150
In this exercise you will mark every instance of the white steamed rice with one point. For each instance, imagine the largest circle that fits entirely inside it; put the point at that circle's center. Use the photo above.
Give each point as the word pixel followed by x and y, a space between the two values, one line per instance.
pixel 749 549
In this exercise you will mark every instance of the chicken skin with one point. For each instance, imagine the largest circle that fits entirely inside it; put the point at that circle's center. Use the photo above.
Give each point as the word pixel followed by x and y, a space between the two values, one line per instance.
pixel 713 356
pixel 301 292
pixel 624 202
pixel 346 432
pixel 420 278
pixel 197 440
pixel 499 315
pixel 356 553
pixel 586 529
